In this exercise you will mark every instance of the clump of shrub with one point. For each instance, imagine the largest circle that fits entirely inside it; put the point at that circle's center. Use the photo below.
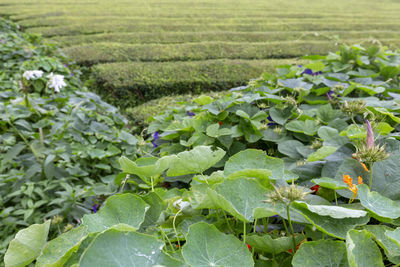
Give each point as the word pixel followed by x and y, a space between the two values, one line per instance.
pixel 59 143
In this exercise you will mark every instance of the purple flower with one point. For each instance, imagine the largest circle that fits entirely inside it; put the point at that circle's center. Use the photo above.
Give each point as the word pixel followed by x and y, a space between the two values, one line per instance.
pixel 190 114
pixel 95 207
pixel 271 121
pixel 155 136
pixel 310 72
pixel 71 75
pixel 370 135
pixel 300 66
pixel 65 65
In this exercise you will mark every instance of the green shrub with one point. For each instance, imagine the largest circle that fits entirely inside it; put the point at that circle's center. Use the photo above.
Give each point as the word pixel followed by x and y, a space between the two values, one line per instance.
pixel 131 83
pixel 58 149
pixel 240 37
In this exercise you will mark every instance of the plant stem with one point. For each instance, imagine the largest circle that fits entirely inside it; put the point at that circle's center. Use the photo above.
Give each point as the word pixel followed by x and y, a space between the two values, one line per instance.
pixel 244 233
pixel 335 198
pixel 152 184
pixel 370 176
pixel 176 232
pixel 265 224
pixel 291 228
pixel 227 222
pixel 169 241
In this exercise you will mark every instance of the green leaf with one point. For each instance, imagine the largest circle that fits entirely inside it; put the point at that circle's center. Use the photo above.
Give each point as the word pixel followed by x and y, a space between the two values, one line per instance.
pixel 278 245
pixel 394 236
pixel 335 212
pixel 386 177
pixel 331 226
pixel 198 160
pixel 214 131
pixel 295 83
pixel 145 168
pixel 203 100
pixel 280 116
pixel 124 248
pixel 391 249
pixel 153 214
pixel 330 183
pixel 322 253
pixel 321 153
pixel 362 251
pixel 291 148
pixel 27 245
pixel 126 211
pixel 308 127
pixel 326 113
pixel 57 251
pixel 207 247
pixel 253 160
pixel 383 128
pixel 243 198
pixel 315 66
pixel 378 204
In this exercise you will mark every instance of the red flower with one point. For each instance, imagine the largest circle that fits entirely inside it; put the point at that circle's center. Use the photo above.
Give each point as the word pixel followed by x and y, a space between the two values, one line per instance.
pixel 220 123
pixel 248 246
pixel 315 188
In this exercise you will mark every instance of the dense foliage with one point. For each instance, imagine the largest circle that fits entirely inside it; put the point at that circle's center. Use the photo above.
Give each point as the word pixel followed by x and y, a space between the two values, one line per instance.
pixel 299 168
pixel 58 150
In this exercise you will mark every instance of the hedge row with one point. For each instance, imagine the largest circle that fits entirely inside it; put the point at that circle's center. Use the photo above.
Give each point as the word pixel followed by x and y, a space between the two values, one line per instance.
pixel 80 20
pixel 193 37
pixel 117 52
pixel 132 27
pixel 132 83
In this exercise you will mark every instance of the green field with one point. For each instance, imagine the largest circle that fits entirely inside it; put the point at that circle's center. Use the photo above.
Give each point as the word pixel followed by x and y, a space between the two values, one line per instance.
pixel 147 49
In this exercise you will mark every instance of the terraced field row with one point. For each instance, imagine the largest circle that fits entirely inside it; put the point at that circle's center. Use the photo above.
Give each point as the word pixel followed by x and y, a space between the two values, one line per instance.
pixel 145 49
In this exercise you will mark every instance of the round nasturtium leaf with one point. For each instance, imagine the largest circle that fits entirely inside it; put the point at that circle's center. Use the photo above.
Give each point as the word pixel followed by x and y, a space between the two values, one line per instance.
pixel 322 253
pixel 125 248
pixel 207 247
pixel 362 251
pixel 124 210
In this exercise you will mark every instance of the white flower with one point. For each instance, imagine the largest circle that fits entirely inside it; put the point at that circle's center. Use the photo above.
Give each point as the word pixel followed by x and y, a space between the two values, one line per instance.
pixel 32 74
pixel 56 81
pixel 180 204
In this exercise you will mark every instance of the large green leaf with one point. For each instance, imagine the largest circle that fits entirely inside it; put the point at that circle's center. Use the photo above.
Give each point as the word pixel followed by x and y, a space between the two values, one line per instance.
pixel 125 248
pixel 362 251
pixel 26 245
pixel 154 213
pixel 125 210
pixel 57 251
pixel 331 226
pixel 391 249
pixel 243 198
pixel 207 247
pixel 322 253
pixel 308 127
pixel 321 153
pixel 268 244
pixel 145 168
pixel 254 160
pixel 378 204
pixel 330 183
pixel 335 212
pixel 195 161
pixel 386 177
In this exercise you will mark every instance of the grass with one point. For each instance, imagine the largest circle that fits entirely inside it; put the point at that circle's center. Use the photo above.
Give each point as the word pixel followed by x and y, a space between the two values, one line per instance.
pixel 158 48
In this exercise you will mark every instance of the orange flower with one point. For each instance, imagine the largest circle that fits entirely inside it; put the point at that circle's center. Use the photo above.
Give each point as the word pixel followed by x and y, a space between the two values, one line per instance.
pixel 365 167
pixel 347 180
pixel 352 187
